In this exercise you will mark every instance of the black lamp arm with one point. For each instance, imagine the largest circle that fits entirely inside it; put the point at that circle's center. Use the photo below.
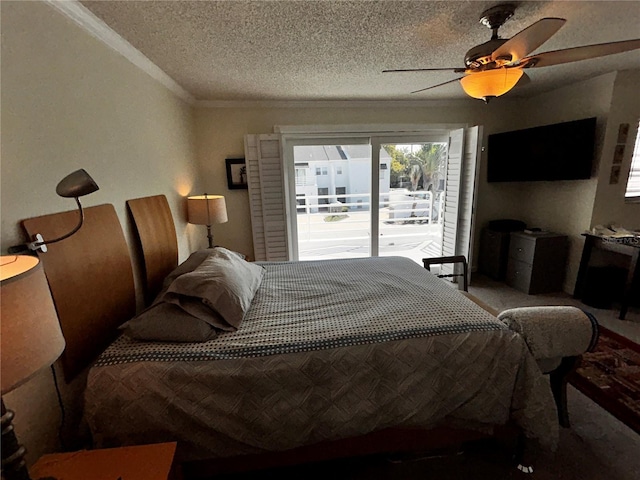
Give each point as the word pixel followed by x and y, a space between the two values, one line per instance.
pixel 41 243
pixel 38 244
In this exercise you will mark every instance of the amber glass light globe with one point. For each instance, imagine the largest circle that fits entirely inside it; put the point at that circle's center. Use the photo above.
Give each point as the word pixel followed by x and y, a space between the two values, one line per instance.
pixel 490 83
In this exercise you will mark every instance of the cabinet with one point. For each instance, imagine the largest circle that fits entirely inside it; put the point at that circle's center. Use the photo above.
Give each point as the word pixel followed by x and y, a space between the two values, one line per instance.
pixel 494 252
pixel 537 262
pixel 142 462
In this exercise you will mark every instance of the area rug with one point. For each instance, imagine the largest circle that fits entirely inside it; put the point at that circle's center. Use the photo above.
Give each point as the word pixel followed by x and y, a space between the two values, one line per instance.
pixel 610 376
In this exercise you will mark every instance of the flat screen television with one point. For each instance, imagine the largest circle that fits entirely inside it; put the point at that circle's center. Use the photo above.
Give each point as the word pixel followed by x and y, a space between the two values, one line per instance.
pixel 562 151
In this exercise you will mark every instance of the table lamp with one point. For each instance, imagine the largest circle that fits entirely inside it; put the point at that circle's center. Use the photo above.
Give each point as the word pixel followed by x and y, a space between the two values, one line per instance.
pixel 207 210
pixel 31 341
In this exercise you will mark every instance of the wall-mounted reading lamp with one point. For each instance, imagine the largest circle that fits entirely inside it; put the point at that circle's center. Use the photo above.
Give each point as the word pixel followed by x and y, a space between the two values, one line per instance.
pixel 75 185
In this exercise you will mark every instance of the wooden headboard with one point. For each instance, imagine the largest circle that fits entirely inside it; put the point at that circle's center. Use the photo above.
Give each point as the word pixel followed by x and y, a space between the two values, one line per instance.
pixel 157 239
pixel 90 278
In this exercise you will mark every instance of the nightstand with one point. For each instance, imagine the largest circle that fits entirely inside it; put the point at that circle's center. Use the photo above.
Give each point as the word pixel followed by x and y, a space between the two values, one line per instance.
pixel 537 262
pixel 140 462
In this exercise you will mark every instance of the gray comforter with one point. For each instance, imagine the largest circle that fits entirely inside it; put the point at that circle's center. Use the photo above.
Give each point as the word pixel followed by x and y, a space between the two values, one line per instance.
pixel 328 350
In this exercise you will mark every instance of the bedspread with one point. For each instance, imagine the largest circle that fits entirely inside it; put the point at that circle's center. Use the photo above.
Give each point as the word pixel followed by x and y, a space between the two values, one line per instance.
pixel 328 350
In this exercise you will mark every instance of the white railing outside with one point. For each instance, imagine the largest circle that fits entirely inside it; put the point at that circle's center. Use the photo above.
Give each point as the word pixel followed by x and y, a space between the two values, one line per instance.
pixel 341 226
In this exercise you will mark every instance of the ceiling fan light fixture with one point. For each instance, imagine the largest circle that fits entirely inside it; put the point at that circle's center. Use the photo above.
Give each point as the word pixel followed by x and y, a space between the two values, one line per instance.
pixel 490 83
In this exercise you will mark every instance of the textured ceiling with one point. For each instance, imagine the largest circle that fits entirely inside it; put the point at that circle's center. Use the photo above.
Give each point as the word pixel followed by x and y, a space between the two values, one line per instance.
pixel 336 50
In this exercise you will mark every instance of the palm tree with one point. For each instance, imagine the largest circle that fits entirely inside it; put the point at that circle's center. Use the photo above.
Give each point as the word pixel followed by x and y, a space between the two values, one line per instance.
pixel 432 156
pixel 415 175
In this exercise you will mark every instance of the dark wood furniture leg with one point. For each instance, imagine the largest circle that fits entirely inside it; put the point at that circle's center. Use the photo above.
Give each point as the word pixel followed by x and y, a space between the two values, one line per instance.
pixel 584 265
pixel 633 279
pixel 558 379
pixel 525 454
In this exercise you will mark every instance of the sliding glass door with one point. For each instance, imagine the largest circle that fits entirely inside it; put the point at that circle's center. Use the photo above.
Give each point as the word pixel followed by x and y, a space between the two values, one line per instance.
pixel 332 200
pixel 366 196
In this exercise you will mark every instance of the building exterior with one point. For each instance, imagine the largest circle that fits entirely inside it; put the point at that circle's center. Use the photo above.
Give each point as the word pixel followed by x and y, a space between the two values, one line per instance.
pixel 338 176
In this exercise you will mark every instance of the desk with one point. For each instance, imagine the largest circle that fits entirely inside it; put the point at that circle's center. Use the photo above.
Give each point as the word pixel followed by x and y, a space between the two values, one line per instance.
pixel 625 246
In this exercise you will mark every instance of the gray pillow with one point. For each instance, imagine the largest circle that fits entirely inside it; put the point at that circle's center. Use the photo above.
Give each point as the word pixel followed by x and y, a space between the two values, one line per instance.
pixel 189 265
pixel 165 322
pixel 224 282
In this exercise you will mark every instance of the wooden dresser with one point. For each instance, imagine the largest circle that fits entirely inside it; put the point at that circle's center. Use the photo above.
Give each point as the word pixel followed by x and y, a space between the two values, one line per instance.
pixel 537 262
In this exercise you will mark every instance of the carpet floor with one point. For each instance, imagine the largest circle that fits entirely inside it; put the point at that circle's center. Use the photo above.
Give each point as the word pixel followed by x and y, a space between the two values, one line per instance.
pixel 610 376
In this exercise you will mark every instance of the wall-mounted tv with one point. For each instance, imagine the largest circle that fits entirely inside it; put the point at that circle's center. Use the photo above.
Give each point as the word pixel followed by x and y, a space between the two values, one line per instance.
pixel 562 151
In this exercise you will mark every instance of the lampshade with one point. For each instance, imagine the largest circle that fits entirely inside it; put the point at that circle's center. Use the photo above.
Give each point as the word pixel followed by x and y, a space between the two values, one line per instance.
pixel 490 83
pixel 76 184
pixel 31 336
pixel 206 209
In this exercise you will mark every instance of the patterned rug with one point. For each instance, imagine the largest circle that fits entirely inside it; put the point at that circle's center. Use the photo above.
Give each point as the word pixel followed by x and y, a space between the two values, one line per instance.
pixel 610 376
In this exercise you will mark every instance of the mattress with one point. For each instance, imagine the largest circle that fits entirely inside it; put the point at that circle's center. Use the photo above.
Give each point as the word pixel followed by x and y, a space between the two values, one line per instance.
pixel 328 350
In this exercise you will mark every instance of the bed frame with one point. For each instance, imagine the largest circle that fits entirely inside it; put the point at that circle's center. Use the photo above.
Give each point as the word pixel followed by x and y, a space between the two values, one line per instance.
pixel 94 265
pixel 90 278
pixel 156 240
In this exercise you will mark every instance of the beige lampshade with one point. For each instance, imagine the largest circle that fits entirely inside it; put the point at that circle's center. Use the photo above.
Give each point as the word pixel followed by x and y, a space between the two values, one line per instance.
pixel 31 336
pixel 206 209
pixel 491 83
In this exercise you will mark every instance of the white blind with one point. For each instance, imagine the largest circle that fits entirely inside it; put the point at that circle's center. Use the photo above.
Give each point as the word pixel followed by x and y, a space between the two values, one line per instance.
pixel 633 184
pixel 461 198
pixel 452 197
pixel 266 197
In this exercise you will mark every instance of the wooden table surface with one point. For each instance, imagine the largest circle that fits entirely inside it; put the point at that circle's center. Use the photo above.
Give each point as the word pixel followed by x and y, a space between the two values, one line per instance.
pixel 141 462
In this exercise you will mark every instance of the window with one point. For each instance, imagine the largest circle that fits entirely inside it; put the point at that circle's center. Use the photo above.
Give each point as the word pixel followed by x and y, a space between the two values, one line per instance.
pixel 324 194
pixel 318 172
pixel 324 170
pixel 338 170
pixel 633 184
pixel 383 170
pixel 301 176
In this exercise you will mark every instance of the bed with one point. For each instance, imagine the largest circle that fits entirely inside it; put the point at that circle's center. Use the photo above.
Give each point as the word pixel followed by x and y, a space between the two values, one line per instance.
pixel 326 352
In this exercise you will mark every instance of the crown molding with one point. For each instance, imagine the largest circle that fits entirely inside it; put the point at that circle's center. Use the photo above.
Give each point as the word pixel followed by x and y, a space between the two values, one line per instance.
pixel 332 103
pixel 95 27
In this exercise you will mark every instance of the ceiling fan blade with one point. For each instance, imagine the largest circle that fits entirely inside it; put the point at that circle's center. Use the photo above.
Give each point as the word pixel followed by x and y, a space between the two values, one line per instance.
pixel 579 53
pixel 527 40
pixel 456 70
pixel 438 85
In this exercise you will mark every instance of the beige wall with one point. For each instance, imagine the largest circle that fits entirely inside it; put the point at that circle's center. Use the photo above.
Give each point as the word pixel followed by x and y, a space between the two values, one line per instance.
pixel 70 102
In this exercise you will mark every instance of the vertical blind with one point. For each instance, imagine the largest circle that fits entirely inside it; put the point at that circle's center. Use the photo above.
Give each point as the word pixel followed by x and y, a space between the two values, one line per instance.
pixel 633 184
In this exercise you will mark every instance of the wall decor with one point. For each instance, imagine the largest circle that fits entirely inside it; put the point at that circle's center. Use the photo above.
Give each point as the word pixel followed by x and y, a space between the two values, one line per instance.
pixel 618 154
pixel 623 133
pixel 614 178
pixel 236 173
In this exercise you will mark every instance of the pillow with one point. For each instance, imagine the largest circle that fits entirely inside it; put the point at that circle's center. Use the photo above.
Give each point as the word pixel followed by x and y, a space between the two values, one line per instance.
pixel 189 265
pixel 224 283
pixel 165 322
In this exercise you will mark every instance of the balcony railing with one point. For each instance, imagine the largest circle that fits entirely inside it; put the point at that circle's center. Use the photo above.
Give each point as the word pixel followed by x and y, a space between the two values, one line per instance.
pixel 342 223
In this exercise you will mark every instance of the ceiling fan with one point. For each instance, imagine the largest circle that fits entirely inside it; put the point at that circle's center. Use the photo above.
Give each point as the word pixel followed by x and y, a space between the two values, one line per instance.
pixel 495 67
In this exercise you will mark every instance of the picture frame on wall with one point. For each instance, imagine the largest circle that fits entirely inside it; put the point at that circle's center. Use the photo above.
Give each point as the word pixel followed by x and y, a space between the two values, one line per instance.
pixel 236 173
